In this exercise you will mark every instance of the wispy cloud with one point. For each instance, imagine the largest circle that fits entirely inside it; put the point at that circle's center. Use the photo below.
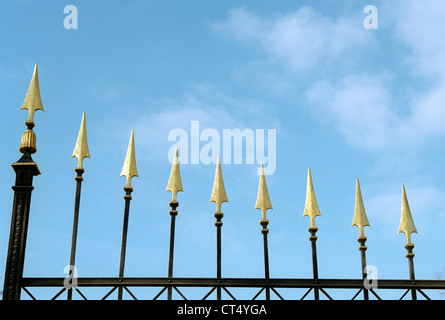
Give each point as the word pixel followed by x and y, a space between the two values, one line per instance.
pixel 362 104
pixel 304 39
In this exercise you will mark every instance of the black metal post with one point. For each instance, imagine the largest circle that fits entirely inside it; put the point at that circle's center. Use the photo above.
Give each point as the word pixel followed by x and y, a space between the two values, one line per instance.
pixel 265 231
pixel 313 238
pixel 362 249
pixel 79 180
pixel 173 214
pixel 410 255
pixel 127 198
pixel 218 224
pixel 25 170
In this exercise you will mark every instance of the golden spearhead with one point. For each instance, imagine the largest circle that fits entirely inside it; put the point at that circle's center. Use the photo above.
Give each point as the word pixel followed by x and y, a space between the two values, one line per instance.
pixel 360 220
pixel 219 192
pixel 81 149
pixel 311 207
pixel 406 220
pixel 174 182
pixel 33 101
pixel 263 201
pixel 129 169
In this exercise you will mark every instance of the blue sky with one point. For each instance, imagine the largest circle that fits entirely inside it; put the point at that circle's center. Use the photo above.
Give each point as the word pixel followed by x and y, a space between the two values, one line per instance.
pixel 345 101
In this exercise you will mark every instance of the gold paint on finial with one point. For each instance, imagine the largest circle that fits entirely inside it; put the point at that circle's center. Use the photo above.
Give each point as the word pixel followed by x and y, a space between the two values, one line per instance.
pixel 129 169
pixel 263 201
pixel 81 149
pixel 32 100
pixel 219 192
pixel 174 182
pixel 28 142
pixel 360 220
pixel 406 220
pixel 311 207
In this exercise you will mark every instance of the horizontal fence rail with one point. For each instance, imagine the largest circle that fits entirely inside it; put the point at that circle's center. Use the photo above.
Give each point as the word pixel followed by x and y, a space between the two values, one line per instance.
pixel 224 283
pixel 25 169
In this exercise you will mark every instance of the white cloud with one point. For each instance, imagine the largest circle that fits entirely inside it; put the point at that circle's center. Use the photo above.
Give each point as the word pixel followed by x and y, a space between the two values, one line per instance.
pixel 303 39
pixel 359 106
pixel 419 26
pixel 378 110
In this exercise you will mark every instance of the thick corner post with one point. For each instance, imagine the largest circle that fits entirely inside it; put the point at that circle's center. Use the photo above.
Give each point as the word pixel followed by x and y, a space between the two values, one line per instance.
pixel 25 170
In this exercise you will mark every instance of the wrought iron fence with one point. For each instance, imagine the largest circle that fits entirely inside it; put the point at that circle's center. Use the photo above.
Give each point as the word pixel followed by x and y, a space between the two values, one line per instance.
pixel 25 168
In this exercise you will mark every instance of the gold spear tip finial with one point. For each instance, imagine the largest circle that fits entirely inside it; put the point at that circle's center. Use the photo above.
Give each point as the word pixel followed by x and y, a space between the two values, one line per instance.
pixel 81 149
pixel 406 220
pixel 219 192
pixel 263 201
pixel 174 182
pixel 360 220
pixel 129 169
pixel 311 207
pixel 33 101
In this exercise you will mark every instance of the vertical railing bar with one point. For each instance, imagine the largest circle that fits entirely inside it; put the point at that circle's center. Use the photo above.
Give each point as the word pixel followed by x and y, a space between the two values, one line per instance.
pixel 258 293
pixel 29 293
pixel 110 292
pixel 131 294
pixel 58 294
pixel 127 199
pixel 231 296
pixel 129 171
pixel 173 214
pixel 209 293
pixel 159 294
pixel 174 186
pixel 177 290
pixel 313 239
pixel 218 196
pixel 79 180
pixel 307 292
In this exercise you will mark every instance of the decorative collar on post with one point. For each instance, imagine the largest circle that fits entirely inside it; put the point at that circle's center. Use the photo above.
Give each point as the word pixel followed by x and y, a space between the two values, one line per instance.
pixel 174 182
